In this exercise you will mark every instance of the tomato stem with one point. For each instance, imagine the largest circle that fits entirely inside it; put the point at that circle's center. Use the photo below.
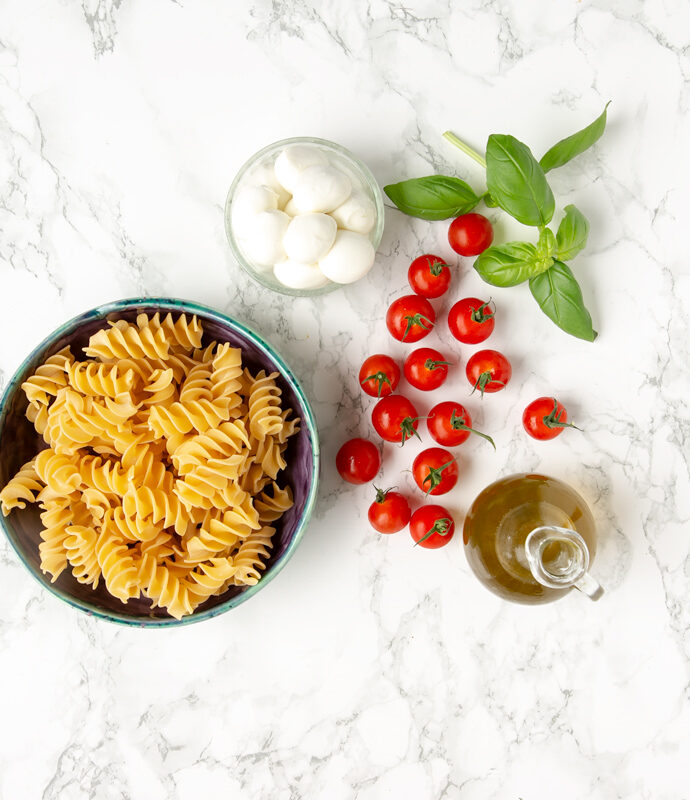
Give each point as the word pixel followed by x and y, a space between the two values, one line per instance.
pixel 553 418
pixel 430 364
pixel 437 267
pixel 459 424
pixel 471 152
pixel 483 381
pixel 380 378
pixel 416 319
pixel 480 314
pixel 408 429
pixel 435 475
pixel 381 494
pixel 441 526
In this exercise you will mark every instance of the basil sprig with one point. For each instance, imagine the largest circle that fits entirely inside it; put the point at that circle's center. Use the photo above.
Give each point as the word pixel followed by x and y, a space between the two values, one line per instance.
pixel 517 183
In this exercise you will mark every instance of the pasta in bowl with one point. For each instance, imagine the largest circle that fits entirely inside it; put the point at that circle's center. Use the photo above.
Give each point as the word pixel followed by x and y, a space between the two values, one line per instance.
pixel 158 462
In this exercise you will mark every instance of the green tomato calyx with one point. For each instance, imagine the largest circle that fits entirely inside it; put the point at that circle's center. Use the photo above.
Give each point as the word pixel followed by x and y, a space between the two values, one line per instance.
pixel 441 526
pixel 417 319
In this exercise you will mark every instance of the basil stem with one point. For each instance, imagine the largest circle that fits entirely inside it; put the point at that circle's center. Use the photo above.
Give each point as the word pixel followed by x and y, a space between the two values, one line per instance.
pixel 471 152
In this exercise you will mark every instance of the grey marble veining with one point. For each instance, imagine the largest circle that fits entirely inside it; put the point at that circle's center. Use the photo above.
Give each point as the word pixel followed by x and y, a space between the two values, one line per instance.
pixel 368 669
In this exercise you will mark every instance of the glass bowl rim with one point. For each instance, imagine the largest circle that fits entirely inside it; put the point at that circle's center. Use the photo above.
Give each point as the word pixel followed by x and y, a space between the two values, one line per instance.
pixel 183 306
pixel 368 176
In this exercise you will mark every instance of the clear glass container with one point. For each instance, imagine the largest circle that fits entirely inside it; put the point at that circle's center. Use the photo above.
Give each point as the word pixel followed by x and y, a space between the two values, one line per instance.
pixel 358 172
pixel 530 539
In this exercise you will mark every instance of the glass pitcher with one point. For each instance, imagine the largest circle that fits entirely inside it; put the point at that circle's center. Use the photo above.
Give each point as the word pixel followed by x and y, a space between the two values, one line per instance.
pixel 531 539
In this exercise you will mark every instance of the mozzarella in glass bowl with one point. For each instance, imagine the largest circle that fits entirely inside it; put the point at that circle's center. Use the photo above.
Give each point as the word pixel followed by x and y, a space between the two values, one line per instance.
pixel 291 208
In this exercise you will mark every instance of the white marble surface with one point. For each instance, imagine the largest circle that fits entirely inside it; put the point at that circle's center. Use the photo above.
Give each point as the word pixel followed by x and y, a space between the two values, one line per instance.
pixel 367 669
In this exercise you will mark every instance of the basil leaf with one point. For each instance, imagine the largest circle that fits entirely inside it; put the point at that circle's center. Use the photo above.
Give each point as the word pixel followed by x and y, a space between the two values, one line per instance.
pixel 432 197
pixel 572 234
pixel 560 298
pixel 572 146
pixel 508 264
pixel 489 201
pixel 517 182
pixel 546 244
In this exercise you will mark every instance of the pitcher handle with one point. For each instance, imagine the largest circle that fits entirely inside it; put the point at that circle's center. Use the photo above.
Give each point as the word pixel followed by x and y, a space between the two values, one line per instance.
pixel 572 572
pixel 587 585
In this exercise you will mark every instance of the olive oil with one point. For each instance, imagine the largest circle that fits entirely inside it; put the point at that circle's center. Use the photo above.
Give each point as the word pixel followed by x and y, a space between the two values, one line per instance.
pixel 499 522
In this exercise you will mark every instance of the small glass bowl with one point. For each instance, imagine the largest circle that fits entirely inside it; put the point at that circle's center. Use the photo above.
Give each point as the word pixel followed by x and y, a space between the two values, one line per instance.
pixel 357 171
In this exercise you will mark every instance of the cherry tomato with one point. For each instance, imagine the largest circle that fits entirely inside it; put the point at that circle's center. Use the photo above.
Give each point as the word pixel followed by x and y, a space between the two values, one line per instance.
pixel 471 320
pixel 390 511
pixel 429 276
pixel 379 375
pixel 450 424
pixel 488 371
pixel 395 419
pixel 425 369
pixel 410 318
pixel 432 526
pixel 358 461
pixel 545 418
pixel 470 234
pixel 435 470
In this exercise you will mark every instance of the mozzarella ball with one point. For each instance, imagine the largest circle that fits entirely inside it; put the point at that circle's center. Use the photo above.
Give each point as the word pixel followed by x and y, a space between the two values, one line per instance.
pixel 264 175
pixel 293 160
pixel 357 213
pixel 249 201
pixel 297 275
pixel 291 208
pixel 321 188
pixel 262 238
pixel 350 258
pixel 309 237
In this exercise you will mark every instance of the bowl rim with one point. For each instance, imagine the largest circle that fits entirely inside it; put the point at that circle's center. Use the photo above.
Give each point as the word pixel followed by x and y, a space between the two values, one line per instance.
pixel 182 306
pixel 357 162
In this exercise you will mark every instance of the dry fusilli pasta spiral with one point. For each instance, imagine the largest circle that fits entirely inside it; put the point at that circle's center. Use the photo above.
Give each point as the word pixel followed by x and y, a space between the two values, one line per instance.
pixel 164 587
pixel 117 566
pixel 127 341
pixel 49 378
pixel 196 415
pixel 100 380
pixel 21 489
pixel 107 476
pixel 80 548
pixel 264 406
pixel 272 506
pixel 250 556
pixel 184 334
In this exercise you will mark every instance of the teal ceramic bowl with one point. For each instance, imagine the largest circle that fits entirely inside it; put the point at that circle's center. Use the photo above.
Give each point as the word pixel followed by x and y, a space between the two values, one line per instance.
pixel 19 442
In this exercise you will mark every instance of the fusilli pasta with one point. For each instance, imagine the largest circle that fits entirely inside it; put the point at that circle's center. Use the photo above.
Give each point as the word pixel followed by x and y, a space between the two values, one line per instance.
pixel 159 475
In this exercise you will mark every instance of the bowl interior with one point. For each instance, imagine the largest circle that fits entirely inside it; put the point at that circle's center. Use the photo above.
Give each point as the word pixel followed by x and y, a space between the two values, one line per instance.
pixel 19 442
pixel 355 169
